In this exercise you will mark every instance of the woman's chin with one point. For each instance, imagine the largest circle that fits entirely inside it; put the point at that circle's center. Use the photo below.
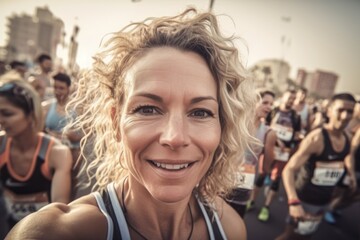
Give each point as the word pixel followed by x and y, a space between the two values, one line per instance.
pixel 171 194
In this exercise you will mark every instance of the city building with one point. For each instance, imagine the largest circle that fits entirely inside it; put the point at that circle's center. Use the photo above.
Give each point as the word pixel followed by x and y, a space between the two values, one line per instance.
pixel 320 84
pixel 28 35
pixel 301 77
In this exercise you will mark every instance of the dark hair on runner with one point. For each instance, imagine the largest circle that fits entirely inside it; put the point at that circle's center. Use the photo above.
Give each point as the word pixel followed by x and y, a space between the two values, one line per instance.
pixel 15 64
pixel 343 96
pixel 43 57
pixel 62 77
pixel 267 92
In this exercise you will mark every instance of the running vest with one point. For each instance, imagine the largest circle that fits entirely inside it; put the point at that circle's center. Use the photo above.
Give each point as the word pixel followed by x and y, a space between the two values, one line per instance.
pixel 319 176
pixel 247 174
pixel 285 124
pixel 24 195
pixel 117 225
pixel 54 121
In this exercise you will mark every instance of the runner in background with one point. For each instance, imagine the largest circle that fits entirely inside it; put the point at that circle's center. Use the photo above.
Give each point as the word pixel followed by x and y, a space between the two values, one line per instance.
pixel 56 118
pixel 45 65
pixel 287 125
pixel 347 191
pixel 240 197
pixel 315 169
pixel 320 117
pixel 304 110
pixel 35 168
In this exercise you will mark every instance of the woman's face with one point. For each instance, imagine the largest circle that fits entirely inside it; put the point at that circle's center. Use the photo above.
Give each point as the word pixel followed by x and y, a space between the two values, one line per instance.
pixel 170 122
pixel 12 118
pixel 264 106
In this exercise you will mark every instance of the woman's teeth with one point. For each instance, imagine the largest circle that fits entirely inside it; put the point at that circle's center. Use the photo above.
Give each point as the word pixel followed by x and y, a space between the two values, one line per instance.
pixel 170 166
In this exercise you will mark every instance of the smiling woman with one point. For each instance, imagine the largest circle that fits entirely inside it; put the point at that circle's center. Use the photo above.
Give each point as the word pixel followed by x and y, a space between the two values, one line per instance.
pixel 169 109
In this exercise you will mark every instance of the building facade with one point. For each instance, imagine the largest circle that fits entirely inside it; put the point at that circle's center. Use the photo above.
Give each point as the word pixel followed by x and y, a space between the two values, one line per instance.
pixel 320 84
pixel 29 36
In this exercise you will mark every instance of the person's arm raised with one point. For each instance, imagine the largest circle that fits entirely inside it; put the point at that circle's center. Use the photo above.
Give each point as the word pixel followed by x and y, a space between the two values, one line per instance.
pixel 312 144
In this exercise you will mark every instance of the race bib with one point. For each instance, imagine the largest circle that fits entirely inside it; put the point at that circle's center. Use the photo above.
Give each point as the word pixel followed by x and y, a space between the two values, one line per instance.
pixel 19 207
pixel 282 132
pixel 246 177
pixel 307 227
pixel 327 173
pixel 282 154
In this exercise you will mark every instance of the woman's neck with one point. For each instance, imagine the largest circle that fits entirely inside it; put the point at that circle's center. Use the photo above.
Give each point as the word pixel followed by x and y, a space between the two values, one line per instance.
pixel 257 122
pixel 334 131
pixel 26 140
pixel 62 102
pixel 154 218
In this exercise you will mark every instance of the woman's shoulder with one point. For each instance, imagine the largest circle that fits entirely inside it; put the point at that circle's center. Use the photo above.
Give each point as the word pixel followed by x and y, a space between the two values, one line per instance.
pixel 231 221
pixel 81 219
pixel 56 146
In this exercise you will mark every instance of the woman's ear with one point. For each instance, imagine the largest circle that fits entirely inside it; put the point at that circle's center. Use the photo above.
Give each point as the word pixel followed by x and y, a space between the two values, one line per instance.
pixel 115 123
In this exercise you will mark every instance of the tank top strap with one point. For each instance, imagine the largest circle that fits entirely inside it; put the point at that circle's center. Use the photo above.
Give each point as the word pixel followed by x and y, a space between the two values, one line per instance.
pixel 3 149
pixel 119 214
pixel 114 210
pixel 111 212
pixel 44 148
pixel 213 223
pixel 101 205
pixel 327 142
pixel 347 143
pixel 3 145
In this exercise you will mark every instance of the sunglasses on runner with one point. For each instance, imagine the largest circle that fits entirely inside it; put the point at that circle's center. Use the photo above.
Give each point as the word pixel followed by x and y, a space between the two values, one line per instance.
pixel 17 91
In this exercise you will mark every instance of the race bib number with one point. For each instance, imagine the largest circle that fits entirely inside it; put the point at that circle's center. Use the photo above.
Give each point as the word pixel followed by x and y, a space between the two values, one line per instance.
pixel 19 207
pixel 327 173
pixel 282 154
pixel 307 227
pixel 246 177
pixel 282 132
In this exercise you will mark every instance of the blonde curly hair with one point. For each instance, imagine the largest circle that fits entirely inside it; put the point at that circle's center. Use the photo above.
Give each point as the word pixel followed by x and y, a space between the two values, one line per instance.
pixel 102 93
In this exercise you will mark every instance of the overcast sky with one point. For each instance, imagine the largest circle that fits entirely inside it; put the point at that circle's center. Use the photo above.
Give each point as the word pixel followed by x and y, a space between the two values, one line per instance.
pixel 319 34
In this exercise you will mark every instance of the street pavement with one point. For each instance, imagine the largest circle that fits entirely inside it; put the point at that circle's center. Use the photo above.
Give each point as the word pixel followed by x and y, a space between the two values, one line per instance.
pixel 346 228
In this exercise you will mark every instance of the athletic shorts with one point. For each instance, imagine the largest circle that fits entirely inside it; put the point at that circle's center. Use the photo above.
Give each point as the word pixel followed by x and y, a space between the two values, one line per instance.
pixel 308 227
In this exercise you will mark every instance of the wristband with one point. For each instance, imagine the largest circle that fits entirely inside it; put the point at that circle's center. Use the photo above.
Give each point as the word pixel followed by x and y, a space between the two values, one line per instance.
pixel 294 202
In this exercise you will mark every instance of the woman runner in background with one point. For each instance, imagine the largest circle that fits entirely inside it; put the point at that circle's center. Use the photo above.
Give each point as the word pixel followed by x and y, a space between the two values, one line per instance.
pixel 34 167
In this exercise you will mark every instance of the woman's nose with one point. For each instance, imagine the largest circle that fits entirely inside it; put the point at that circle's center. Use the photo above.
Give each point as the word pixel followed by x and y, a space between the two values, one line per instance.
pixel 175 132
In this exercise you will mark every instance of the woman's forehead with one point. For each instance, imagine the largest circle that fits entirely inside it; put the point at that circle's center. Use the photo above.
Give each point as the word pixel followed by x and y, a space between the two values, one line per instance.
pixel 166 64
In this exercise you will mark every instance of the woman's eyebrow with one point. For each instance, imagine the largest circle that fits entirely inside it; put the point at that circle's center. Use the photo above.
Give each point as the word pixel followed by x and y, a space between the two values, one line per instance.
pixel 199 99
pixel 159 99
pixel 151 96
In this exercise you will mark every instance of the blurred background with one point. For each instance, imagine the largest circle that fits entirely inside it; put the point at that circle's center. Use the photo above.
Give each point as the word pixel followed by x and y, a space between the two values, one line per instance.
pixel 314 44
pixel 285 43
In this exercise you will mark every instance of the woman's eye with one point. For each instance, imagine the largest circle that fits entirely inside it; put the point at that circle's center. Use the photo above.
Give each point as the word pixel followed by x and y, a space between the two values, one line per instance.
pixel 146 110
pixel 201 113
pixel 7 114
